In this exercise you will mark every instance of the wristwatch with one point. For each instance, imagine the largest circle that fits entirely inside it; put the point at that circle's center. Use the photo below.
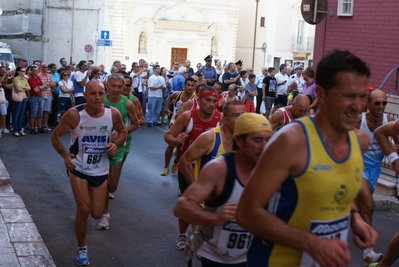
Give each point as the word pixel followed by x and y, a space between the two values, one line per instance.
pixel 117 146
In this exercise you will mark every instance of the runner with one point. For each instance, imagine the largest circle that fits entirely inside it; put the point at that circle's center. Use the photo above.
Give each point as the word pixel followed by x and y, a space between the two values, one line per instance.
pixel 86 161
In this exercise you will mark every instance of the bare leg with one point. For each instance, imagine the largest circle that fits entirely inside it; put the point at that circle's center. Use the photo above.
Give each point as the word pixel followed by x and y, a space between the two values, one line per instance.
pixel 168 155
pixel 392 254
pixel 89 200
pixel 113 180
pixel 364 201
pixel 45 118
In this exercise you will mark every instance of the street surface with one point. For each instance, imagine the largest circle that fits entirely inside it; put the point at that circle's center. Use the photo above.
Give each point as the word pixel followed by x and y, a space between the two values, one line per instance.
pixel 143 229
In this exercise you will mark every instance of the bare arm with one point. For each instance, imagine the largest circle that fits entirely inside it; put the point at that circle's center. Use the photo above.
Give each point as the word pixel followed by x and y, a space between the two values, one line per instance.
pixel 200 146
pixel 139 111
pixel 170 100
pixel 175 135
pixel 382 134
pixel 131 111
pixel 187 206
pixel 69 120
pixel 277 119
pixel 120 128
pixel 394 137
pixel 84 81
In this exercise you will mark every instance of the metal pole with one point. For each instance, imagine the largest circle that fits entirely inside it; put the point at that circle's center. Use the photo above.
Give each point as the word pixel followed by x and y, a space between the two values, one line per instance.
pixel 256 24
pixel 72 29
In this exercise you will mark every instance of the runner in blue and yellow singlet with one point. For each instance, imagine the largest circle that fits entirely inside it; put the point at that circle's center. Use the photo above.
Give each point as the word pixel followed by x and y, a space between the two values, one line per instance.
pixel 299 201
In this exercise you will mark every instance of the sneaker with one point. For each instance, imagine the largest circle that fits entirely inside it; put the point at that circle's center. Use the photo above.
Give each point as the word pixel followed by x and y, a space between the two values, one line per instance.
pixel 82 257
pixel 174 167
pixel 5 131
pixel 33 132
pixel 165 172
pixel 104 222
pixel 42 130
pixel 375 264
pixel 372 257
pixel 110 195
pixel 47 129
pixel 181 242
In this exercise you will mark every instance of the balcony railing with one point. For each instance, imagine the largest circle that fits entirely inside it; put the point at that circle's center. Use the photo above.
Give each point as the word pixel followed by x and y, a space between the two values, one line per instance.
pixel 302 43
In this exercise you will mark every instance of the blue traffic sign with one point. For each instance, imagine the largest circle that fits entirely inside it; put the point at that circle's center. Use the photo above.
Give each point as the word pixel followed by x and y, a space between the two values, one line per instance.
pixel 105 35
pixel 103 42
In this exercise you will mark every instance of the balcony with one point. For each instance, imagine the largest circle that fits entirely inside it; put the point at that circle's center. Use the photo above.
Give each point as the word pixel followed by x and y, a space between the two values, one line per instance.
pixel 300 43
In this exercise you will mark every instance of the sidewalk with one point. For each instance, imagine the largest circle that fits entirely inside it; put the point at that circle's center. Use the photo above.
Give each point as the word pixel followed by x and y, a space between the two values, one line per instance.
pixel 20 241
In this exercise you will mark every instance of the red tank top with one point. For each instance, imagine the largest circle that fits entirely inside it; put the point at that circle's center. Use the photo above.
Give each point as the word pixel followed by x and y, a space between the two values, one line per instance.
pixel 196 127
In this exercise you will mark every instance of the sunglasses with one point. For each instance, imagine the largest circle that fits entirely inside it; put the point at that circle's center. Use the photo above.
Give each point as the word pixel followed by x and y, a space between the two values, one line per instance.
pixel 196 81
pixel 64 75
pixel 128 85
pixel 377 103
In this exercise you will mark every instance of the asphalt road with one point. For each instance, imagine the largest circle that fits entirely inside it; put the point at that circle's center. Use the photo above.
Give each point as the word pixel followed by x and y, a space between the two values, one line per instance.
pixel 143 228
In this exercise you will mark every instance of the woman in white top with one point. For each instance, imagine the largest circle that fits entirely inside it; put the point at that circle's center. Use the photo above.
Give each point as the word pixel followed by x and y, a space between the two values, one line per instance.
pixel 244 80
pixel 66 99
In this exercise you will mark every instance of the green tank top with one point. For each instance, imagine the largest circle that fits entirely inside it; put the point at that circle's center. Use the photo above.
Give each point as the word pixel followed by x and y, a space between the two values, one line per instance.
pixel 121 105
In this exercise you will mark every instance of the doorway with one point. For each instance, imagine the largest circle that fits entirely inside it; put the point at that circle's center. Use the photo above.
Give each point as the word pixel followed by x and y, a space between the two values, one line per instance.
pixel 179 55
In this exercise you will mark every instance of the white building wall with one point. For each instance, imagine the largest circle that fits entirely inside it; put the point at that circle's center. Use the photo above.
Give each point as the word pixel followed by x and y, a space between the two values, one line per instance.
pixel 281 24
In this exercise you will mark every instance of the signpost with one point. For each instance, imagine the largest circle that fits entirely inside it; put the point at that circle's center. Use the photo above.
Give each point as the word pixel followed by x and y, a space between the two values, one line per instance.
pixel 88 48
pixel 104 42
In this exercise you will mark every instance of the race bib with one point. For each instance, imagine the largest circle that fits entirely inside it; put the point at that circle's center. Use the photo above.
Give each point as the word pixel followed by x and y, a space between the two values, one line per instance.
pixel 92 157
pixel 334 229
pixel 234 241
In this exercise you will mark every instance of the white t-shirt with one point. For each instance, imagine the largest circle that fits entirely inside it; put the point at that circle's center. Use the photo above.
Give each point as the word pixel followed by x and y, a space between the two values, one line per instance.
pixel 281 89
pixel 80 76
pixel 155 81
pixel 67 85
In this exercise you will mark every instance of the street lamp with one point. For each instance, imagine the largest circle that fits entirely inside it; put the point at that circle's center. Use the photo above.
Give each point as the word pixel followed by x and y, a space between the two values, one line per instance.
pixel 256 23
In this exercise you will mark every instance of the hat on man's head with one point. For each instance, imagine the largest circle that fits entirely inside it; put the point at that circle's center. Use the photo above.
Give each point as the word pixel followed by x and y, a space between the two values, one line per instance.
pixel 251 123
pixel 300 66
pixel 239 62
pixel 208 57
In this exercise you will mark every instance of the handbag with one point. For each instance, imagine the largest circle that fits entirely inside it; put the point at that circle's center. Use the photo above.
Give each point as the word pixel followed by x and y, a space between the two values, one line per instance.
pixel 16 96
pixel 72 98
pixel 2 96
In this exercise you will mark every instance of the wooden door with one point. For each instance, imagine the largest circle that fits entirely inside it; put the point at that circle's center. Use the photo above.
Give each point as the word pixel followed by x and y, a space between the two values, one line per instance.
pixel 178 54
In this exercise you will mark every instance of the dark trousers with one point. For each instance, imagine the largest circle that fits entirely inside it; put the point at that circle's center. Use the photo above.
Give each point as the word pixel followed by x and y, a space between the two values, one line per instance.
pixel 258 100
pixel 54 111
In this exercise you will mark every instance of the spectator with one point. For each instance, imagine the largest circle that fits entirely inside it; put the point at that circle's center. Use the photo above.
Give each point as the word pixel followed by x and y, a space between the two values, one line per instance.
pixel 20 85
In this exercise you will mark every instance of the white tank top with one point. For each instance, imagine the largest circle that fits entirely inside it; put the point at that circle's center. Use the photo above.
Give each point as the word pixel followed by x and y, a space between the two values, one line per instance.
pixel 89 142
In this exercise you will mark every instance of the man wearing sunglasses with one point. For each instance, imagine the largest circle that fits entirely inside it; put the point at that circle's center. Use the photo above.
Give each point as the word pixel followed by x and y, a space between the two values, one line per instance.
pixel 369 121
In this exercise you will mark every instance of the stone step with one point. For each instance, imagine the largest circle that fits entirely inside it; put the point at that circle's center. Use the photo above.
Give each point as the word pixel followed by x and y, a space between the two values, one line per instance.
pixel 386 184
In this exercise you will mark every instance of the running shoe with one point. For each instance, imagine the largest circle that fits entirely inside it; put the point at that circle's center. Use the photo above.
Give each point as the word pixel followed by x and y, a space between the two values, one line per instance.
pixel 42 130
pixel 165 172
pixel 174 167
pixel 6 131
pixel 104 222
pixel 82 257
pixel 372 257
pixel 181 242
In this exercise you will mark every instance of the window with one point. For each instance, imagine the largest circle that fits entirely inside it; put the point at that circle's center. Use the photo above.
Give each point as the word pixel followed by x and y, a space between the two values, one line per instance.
pixel 345 7
pixel 262 21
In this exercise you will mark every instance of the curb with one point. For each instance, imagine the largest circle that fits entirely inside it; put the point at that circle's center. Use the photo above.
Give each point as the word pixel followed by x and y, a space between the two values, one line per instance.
pixel 20 241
